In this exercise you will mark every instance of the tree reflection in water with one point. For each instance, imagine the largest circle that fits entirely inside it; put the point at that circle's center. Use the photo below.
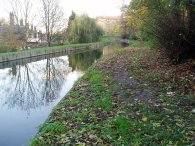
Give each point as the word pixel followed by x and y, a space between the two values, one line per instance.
pixel 36 84
pixel 82 61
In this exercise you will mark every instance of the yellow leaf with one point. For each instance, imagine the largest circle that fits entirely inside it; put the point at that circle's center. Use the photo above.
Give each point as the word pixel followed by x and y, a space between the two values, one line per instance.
pixel 106 79
pixel 193 87
pixel 144 118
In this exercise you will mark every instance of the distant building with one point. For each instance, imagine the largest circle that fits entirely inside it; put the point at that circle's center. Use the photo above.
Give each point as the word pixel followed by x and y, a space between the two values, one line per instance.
pixel 33 36
pixel 108 23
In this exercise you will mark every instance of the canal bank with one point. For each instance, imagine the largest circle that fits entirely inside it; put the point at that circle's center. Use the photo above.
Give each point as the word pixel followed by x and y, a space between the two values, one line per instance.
pixel 5 57
pixel 123 99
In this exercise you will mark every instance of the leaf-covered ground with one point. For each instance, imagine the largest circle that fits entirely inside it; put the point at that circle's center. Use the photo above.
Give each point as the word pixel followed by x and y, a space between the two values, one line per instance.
pixel 133 97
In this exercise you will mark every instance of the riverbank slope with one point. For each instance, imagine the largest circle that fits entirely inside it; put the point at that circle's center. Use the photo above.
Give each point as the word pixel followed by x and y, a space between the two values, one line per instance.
pixel 132 97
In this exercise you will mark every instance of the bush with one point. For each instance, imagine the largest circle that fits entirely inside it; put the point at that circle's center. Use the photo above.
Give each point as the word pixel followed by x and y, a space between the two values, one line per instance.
pixel 133 37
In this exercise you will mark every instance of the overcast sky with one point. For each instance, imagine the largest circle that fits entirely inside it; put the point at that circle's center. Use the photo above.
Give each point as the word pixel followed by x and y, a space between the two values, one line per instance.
pixel 92 7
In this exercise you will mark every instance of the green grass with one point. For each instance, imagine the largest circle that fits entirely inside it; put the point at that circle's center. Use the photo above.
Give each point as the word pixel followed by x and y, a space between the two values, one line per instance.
pixel 104 40
pixel 44 49
pixel 49 129
pixel 52 128
pixel 137 43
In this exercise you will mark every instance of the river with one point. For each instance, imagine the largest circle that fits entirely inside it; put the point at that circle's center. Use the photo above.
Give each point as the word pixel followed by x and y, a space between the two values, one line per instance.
pixel 30 88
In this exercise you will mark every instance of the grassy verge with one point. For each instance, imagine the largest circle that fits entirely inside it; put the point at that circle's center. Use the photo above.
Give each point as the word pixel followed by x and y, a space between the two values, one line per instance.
pixel 137 43
pixel 125 99
pixel 102 40
pixel 105 40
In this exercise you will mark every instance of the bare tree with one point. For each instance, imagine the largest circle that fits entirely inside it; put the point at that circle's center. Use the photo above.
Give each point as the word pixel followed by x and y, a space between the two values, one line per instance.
pixel 15 8
pixel 51 18
pixel 20 9
pixel 26 10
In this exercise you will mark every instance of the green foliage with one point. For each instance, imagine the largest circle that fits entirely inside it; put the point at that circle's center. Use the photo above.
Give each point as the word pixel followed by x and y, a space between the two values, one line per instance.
pixel 137 43
pixel 104 40
pixel 133 37
pixel 83 29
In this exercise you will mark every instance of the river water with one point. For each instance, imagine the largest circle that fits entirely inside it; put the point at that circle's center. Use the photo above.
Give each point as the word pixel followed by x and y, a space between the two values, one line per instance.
pixel 30 88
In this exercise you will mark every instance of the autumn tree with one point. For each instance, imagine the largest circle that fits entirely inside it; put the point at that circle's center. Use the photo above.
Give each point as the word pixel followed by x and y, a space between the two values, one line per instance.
pixel 134 19
pixel 168 24
pixel 11 41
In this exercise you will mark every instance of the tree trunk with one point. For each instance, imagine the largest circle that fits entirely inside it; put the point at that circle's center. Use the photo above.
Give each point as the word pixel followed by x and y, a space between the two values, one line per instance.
pixel 191 21
pixel 48 40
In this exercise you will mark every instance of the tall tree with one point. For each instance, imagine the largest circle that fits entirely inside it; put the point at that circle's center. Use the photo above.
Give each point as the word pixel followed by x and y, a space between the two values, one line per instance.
pixel 72 17
pixel 51 18
pixel 26 10
pixel 84 29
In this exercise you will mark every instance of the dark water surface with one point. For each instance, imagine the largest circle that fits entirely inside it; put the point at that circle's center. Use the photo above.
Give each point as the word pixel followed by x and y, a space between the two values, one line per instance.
pixel 30 88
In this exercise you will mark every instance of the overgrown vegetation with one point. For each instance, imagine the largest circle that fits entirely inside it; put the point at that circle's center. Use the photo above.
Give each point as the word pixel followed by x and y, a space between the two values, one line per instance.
pixel 167 24
pixel 9 41
pixel 126 99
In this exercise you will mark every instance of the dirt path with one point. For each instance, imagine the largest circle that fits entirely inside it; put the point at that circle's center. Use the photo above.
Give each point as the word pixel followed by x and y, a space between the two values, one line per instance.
pixel 128 85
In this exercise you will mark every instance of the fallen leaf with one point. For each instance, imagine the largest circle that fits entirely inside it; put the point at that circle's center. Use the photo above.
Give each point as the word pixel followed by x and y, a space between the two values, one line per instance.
pixel 193 111
pixel 170 93
pixel 92 136
pixel 144 118
pixel 106 79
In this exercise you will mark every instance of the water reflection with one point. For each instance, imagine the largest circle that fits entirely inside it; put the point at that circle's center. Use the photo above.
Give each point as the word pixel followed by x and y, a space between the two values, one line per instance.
pixel 82 61
pixel 31 85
